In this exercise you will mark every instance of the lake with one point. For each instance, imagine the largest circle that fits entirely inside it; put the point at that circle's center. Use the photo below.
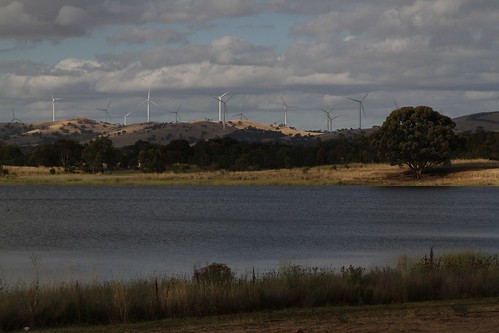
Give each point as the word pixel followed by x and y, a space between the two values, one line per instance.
pixel 98 233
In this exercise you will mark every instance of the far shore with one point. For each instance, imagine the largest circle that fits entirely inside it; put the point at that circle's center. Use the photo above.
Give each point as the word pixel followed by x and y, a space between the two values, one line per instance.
pixel 478 172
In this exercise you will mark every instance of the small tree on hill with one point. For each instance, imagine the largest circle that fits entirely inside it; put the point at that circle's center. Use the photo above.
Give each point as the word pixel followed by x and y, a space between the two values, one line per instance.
pixel 415 136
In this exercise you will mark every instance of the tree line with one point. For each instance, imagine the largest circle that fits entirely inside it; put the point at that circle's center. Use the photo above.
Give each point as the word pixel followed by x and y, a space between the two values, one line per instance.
pixel 224 153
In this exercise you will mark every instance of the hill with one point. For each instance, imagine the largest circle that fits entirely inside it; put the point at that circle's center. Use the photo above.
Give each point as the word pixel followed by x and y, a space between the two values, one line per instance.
pixel 84 130
pixel 487 121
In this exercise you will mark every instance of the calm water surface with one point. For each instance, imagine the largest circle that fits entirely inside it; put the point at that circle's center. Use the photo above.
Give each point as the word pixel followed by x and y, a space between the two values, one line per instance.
pixel 101 233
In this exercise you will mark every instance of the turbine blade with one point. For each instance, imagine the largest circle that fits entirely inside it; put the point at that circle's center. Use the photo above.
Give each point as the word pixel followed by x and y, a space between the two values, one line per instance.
pixel 154 103
pixel 363 98
pixel 229 98
pixel 285 105
pixel 353 99
pixel 178 109
pixel 225 93
pixel 362 107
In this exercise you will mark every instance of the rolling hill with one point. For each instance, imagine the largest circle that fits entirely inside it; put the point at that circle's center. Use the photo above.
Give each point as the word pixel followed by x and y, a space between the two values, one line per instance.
pixel 84 130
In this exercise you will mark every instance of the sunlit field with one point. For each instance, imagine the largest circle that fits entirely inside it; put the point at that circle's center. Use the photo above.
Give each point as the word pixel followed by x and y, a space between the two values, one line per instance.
pixel 460 173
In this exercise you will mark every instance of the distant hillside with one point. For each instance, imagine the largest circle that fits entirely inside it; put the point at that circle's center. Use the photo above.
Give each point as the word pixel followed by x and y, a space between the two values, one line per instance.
pixel 487 121
pixel 81 129
pixel 84 130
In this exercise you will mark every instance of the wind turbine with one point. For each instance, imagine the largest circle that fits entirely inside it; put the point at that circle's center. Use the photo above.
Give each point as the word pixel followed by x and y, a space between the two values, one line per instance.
pixel 220 103
pixel 395 103
pixel 241 115
pixel 53 106
pixel 330 119
pixel 126 117
pixel 286 107
pixel 361 107
pixel 148 102
pixel 106 113
pixel 177 116
pixel 224 105
pixel 14 119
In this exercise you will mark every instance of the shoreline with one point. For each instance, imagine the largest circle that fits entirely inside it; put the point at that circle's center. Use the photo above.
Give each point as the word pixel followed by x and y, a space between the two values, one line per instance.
pixel 460 285
pixel 460 173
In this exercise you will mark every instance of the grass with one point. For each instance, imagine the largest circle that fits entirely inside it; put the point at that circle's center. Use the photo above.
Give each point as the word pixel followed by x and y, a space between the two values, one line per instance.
pixel 372 318
pixel 214 290
pixel 461 173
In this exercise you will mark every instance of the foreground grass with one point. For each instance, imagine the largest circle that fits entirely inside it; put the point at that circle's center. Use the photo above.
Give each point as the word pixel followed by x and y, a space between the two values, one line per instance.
pixel 477 315
pixel 463 172
pixel 214 290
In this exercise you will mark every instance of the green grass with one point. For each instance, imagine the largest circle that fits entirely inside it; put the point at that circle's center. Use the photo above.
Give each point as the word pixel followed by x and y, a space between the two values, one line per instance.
pixel 215 290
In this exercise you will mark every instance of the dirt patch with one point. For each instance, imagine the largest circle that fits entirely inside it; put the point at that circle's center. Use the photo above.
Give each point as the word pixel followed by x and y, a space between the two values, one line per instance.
pixel 415 318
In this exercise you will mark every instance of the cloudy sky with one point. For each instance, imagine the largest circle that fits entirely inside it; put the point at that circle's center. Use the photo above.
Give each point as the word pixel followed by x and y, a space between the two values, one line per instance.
pixel 313 54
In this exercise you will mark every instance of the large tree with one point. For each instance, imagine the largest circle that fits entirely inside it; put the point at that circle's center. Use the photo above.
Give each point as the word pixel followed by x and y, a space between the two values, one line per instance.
pixel 100 154
pixel 418 137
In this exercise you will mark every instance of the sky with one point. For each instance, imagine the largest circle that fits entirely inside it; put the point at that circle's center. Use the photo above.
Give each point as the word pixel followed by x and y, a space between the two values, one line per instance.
pixel 311 54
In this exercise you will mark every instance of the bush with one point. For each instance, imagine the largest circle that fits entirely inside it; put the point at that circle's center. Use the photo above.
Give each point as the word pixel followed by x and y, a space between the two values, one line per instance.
pixel 214 274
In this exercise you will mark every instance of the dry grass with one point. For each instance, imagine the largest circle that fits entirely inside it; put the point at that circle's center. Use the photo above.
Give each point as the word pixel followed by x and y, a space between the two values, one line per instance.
pixel 215 291
pixel 461 173
pixel 478 316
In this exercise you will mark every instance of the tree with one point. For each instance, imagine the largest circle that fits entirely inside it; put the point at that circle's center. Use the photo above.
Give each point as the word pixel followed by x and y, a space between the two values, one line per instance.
pixel 68 152
pixel 11 155
pixel 100 154
pixel 415 136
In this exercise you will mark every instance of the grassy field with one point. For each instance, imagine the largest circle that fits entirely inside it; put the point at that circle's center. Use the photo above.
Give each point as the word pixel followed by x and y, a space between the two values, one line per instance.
pixel 460 173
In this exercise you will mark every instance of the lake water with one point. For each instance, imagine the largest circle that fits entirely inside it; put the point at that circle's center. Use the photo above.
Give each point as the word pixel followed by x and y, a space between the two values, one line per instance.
pixel 100 233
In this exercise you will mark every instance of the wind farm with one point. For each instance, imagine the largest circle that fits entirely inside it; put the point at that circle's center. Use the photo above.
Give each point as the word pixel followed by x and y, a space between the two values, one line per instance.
pixel 287 145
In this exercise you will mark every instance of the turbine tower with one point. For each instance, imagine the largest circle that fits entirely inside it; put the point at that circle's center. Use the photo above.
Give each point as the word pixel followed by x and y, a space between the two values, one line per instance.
pixel 223 108
pixel 106 113
pixel 286 107
pixel 53 106
pixel 361 107
pixel 148 102
pixel 220 105
pixel 126 117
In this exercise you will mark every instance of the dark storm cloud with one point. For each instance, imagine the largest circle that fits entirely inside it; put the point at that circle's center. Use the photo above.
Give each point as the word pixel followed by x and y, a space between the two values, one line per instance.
pixel 58 19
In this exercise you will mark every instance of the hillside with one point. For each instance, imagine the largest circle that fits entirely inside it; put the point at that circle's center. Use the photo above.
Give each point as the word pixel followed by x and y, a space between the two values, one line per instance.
pixel 487 121
pixel 84 130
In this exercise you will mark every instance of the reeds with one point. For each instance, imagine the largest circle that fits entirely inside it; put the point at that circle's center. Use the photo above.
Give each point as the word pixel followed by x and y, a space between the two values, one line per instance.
pixel 215 289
